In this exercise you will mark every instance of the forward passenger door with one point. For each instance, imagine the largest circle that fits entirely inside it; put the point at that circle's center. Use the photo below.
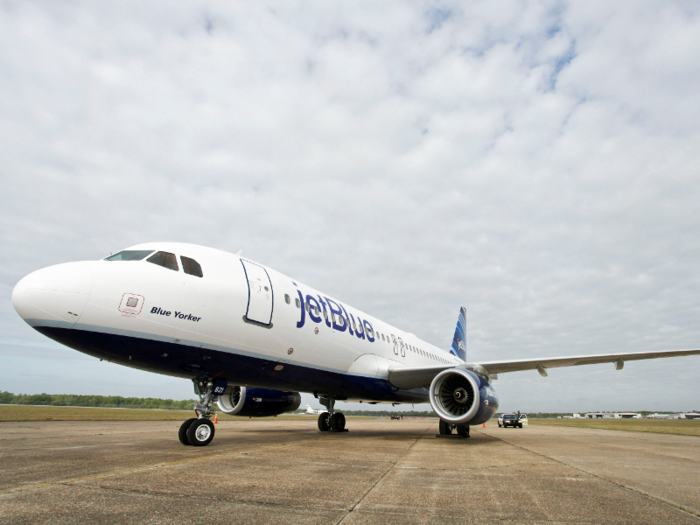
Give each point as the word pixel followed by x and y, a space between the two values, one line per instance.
pixel 260 295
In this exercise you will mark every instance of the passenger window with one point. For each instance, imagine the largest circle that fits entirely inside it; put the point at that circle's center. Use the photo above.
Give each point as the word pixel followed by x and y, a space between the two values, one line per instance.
pixel 287 299
pixel 191 267
pixel 164 259
pixel 129 255
pixel 296 300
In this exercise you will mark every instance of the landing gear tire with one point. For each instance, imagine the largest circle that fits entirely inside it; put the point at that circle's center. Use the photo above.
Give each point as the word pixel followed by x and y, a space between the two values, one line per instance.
pixel 445 429
pixel 324 424
pixel 182 433
pixel 463 430
pixel 338 422
pixel 201 432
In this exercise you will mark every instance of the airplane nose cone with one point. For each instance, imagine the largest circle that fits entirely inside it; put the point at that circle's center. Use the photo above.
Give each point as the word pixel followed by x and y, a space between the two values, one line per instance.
pixel 53 296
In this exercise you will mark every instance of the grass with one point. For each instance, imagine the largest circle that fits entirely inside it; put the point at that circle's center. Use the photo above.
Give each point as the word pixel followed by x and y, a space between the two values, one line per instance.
pixel 47 413
pixel 684 427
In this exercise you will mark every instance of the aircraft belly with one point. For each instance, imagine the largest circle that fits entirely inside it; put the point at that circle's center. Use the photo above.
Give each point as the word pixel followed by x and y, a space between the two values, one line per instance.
pixel 189 360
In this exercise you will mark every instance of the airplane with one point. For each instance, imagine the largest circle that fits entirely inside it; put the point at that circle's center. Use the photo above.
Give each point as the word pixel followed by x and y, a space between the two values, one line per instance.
pixel 310 411
pixel 250 339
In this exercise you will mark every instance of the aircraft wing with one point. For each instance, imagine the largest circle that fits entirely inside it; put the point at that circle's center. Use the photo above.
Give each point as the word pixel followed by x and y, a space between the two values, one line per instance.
pixel 422 377
pixel 499 367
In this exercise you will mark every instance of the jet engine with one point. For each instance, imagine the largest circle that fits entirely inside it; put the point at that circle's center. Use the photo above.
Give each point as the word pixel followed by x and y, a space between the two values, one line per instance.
pixel 460 396
pixel 257 402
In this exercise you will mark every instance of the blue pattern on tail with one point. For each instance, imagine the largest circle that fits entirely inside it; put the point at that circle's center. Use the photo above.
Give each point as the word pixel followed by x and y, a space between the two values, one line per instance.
pixel 459 341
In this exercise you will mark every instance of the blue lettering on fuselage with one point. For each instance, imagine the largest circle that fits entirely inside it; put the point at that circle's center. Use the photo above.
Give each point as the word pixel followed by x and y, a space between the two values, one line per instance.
pixel 347 319
pixel 314 307
pixel 359 332
pixel 369 331
pixel 300 322
pixel 325 312
pixel 335 316
pixel 336 313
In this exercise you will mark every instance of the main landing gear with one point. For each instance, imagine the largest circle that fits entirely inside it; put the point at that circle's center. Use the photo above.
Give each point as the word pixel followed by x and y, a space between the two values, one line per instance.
pixel 331 420
pixel 447 428
pixel 199 431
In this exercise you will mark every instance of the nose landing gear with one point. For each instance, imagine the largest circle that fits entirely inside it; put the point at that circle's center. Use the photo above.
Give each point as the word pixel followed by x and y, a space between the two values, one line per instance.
pixel 199 431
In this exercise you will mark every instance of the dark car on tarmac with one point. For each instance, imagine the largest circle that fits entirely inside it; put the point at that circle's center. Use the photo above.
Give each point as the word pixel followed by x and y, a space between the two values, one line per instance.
pixel 511 420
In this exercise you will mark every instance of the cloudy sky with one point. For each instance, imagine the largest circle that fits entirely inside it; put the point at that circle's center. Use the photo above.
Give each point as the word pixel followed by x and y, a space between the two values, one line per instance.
pixel 537 162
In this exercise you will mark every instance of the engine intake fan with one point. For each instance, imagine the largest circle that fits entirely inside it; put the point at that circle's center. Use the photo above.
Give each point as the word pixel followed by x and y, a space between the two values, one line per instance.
pixel 454 396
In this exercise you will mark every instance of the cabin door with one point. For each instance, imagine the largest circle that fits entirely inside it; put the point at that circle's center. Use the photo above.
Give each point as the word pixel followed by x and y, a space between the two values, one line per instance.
pixel 260 298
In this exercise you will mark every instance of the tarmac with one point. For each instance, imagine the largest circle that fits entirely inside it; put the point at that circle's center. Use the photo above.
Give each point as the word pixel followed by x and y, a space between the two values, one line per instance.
pixel 380 472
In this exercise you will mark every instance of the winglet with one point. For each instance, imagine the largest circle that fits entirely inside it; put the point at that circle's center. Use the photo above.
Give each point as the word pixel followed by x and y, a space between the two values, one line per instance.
pixel 459 341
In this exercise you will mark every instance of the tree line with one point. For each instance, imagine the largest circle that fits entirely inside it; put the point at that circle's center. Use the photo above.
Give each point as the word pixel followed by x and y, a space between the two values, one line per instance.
pixel 72 400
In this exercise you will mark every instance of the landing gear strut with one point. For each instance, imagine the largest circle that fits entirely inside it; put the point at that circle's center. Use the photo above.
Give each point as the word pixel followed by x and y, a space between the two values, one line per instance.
pixel 199 431
pixel 331 420
pixel 447 428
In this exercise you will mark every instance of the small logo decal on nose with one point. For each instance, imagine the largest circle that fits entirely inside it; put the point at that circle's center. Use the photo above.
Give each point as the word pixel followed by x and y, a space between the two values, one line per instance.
pixel 131 304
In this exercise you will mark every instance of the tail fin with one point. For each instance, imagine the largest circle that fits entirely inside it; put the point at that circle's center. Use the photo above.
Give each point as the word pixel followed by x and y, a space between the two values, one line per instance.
pixel 459 341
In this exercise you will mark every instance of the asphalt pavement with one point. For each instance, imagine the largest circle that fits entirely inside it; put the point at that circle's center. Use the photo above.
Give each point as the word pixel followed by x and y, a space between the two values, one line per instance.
pixel 381 471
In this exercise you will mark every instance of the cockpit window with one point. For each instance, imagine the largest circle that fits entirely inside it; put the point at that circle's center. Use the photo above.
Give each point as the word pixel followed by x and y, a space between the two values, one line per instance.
pixel 128 255
pixel 191 266
pixel 164 259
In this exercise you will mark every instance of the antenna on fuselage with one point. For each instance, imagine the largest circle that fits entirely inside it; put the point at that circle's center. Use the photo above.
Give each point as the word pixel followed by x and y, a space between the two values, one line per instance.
pixel 239 252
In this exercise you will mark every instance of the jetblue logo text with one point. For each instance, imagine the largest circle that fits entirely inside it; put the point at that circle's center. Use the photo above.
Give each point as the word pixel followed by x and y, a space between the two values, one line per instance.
pixel 333 314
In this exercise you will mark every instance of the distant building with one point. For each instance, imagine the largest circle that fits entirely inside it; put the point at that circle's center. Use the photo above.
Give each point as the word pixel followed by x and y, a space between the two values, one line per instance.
pixel 628 415
pixel 690 415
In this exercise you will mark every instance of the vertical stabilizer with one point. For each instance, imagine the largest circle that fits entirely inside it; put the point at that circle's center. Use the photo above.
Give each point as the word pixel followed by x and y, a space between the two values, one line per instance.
pixel 459 341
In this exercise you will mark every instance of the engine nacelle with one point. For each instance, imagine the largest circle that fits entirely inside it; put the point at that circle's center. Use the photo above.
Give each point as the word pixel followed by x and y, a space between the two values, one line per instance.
pixel 257 402
pixel 460 396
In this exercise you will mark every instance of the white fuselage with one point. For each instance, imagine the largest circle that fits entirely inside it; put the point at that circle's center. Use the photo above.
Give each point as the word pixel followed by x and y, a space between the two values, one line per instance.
pixel 233 322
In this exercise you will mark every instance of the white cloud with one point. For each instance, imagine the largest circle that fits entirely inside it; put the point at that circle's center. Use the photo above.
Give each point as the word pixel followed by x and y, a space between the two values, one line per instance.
pixel 537 163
